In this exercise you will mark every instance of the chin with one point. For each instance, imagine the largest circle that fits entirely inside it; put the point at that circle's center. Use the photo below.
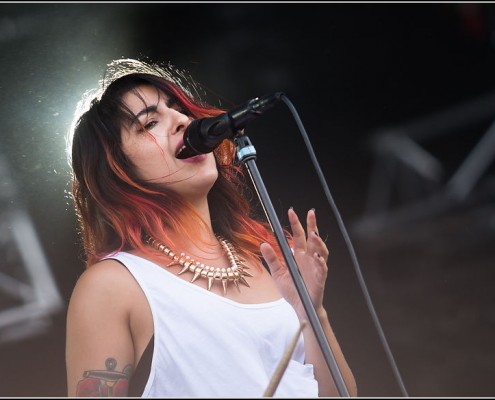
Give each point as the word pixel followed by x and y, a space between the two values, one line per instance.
pixel 209 178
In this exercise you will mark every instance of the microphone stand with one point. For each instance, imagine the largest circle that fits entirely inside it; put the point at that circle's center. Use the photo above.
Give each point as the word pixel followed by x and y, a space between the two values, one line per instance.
pixel 247 153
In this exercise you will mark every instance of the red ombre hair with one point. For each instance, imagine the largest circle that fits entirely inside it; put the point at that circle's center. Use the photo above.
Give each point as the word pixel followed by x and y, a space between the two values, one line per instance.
pixel 116 209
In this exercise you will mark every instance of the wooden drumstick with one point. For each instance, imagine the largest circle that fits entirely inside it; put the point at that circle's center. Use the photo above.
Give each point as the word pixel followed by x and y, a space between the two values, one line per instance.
pixel 284 362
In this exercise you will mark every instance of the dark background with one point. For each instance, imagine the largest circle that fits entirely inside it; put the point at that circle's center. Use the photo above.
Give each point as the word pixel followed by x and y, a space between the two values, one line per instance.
pixel 354 72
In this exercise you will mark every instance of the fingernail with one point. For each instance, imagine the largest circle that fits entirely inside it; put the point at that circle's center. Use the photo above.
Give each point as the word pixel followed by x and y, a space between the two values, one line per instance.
pixel 314 210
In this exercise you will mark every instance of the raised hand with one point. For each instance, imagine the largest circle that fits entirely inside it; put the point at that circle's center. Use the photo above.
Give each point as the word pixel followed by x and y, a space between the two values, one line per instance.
pixel 310 254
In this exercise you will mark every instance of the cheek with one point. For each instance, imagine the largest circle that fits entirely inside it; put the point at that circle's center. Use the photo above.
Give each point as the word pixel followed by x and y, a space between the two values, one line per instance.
pixel 148 159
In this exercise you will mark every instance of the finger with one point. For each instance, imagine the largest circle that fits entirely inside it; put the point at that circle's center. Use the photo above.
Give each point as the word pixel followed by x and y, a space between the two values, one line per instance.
pixel 315 242
pixel 320 259
pixel 297 231
pixel 311 223
pixel 271 258
pixel 318 246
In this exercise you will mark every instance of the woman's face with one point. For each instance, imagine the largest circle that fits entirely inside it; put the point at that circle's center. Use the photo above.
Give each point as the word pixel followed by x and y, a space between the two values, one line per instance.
pixel 154 160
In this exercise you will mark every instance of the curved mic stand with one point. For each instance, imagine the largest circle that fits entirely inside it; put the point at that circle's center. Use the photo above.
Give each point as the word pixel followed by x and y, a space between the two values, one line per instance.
pixel 246 153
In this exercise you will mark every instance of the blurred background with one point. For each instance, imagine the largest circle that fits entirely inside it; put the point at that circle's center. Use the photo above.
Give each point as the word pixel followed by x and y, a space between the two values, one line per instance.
pixel 398 101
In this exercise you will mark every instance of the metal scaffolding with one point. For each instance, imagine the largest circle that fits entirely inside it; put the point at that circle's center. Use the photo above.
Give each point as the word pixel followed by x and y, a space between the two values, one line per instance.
pixel 408 183
pixel 29 296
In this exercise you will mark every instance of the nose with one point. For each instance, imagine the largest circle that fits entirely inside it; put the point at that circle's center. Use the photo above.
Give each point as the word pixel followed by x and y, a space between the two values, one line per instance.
pixel 181 122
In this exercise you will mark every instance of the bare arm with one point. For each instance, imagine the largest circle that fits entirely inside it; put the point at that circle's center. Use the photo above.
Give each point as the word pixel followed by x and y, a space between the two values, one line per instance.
pixel 311 253
pixel 99 347
pixel 326 384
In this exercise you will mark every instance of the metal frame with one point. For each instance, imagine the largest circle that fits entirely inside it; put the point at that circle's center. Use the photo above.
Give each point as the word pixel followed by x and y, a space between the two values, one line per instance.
pixel 403 167
pixel 27 286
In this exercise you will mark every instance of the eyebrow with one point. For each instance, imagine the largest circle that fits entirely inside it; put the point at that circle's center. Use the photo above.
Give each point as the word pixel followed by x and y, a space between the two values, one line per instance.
pixel 144 111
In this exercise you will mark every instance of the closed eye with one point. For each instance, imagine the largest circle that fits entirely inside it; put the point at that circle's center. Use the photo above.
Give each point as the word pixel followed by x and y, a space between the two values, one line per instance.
pixel 150 125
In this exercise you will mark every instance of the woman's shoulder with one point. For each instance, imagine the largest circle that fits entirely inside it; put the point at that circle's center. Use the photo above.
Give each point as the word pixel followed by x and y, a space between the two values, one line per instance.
pixel 108 269
pixel 101 308
pixel 103 281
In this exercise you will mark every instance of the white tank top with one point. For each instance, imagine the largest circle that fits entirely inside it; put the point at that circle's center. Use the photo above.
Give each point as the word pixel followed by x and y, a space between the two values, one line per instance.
pixel 206 345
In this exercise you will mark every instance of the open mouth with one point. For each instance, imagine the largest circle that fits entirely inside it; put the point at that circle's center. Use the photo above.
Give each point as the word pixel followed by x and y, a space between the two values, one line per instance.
pixel 181 149
pixel 184 152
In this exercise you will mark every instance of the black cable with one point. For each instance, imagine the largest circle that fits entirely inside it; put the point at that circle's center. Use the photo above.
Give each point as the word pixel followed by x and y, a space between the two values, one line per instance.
pixel 349 246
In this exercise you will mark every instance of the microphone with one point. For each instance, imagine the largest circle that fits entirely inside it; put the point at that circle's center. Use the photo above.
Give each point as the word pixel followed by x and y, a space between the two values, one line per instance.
pixel 203 135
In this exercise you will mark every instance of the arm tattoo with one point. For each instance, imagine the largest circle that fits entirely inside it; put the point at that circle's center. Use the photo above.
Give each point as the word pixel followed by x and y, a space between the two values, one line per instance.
pixel 105 383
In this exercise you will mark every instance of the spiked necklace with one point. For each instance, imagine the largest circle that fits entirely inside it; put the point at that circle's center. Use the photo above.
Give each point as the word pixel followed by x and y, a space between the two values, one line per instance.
pixel 235 273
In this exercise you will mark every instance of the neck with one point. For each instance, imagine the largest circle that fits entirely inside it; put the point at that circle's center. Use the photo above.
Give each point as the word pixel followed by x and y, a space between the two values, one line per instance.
pixel 203 210
pixel 206 244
